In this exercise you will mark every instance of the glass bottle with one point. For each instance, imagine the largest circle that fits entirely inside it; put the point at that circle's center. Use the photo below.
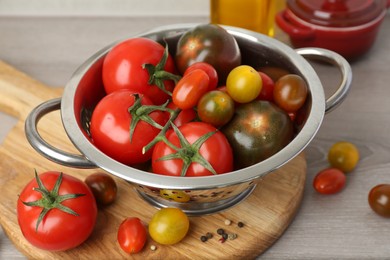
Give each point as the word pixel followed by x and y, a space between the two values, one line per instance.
pixel 255 15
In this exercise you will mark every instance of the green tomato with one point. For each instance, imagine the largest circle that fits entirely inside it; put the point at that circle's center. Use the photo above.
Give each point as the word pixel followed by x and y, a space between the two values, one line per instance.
pixel 216 108
pixel 258 130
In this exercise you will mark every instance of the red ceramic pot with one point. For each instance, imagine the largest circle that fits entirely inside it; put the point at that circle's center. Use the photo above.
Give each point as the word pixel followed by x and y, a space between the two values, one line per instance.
pixel 348 27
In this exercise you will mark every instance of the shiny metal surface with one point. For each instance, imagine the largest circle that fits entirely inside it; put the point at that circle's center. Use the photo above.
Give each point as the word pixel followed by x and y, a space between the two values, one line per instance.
pixel 256 50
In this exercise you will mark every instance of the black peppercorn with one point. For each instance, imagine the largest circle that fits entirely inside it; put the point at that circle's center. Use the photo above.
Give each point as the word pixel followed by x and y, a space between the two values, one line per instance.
pixel 209 235
pixel 203 238
pixel 220 231
pixel 240 224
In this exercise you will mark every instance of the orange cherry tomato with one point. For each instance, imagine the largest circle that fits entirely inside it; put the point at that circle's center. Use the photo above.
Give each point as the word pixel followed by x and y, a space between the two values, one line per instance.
pixel 290 92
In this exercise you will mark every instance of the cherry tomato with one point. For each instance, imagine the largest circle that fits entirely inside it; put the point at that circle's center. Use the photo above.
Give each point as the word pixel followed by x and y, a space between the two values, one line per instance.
pixel 215 150
pixel 190 89
pixel 110 125
pixel 379 200
pixel 244 84
pixel 61 228
pixel 169 226
pixel 185 116
pixel 132 235
pixel 211 72
pixel 216 108
pixel 274 73
pixel 329 181
pixel 103 187
pixel 290 92
pixel 344 156
pixel 123 68
pixel 267 90
pixel 208 43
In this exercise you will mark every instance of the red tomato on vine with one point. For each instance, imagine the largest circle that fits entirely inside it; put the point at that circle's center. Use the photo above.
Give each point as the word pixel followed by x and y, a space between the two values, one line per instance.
pixel 138 64
pixel 200 150
pixel 56 211
pixel 120 128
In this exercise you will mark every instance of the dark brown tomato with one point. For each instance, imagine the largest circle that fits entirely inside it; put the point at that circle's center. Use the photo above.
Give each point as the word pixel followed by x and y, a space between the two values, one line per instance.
pixel 379 200
pixel 208 43
pixel 103 187
pixel 257 131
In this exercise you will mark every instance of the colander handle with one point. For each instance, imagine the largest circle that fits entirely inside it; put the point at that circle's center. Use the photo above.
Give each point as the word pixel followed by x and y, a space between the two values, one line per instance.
pixel 50 152
pixel 346 73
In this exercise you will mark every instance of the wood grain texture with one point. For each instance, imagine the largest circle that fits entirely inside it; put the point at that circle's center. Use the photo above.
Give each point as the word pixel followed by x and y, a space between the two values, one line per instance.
pixel 266 213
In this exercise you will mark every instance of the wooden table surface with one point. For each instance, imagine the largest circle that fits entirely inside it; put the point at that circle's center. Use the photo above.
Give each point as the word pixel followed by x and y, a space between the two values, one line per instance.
pixel 340 226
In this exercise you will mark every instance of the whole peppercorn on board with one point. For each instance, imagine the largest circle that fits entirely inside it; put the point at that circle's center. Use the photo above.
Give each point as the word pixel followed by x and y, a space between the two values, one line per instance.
pixel 265 214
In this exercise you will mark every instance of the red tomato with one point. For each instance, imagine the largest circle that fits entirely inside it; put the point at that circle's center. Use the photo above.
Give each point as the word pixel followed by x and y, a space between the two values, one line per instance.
pixel 190 89
pixel 267 91
pixel 185 116
pixel 132 235
pixel 329 181
pixel 211 72
pixel 110 128
pixel 58 230
pixel 215 150
pixel 123 68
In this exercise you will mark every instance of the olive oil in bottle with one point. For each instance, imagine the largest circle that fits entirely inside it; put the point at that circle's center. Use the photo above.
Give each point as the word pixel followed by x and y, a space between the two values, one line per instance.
pixel 255 15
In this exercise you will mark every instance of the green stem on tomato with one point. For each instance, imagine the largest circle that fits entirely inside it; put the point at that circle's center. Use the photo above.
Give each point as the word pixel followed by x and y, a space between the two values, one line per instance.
pixel 140 112
pixel 157 74
pixel 51 199
pixel 161 136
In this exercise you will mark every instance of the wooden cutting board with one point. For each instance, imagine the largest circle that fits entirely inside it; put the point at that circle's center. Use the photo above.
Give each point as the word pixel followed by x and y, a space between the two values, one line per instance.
pixel 266 213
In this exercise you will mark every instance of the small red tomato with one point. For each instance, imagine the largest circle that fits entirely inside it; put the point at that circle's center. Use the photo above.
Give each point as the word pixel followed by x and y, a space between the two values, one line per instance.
pixel 103 187
pixel 267 91
pixel 190 89
pixel 185 116
pixel 329 181
pixel 379 200
pixel 210 70
pixel 132 235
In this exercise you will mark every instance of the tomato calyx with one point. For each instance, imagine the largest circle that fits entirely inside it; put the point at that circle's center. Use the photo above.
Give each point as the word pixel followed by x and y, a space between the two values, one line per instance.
pixel 189 153
pixel 51 199
pixel 138 112
pixel 157 74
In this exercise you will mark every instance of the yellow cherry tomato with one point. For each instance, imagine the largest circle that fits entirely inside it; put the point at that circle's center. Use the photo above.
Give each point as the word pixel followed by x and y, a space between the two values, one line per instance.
pixel 244 84
pixel 343 156
pixel 169 226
